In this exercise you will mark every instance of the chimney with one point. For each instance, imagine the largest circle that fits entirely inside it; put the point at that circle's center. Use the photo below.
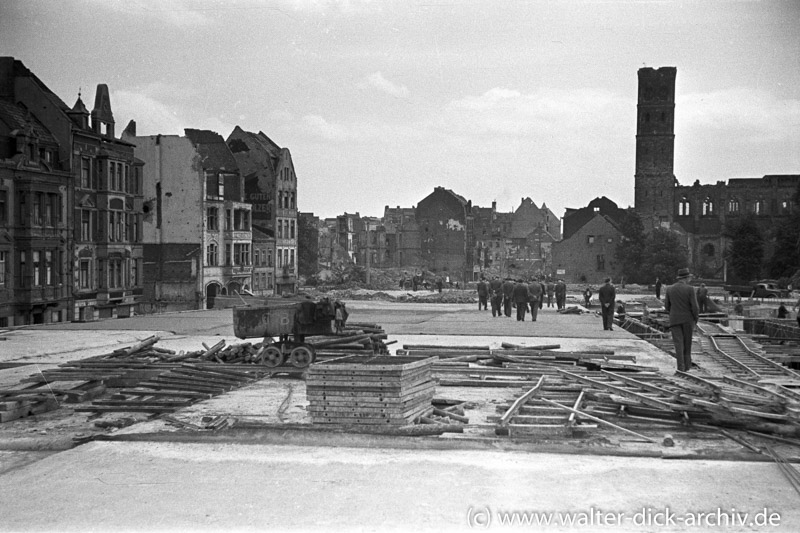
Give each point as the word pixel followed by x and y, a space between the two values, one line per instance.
pixel 6 77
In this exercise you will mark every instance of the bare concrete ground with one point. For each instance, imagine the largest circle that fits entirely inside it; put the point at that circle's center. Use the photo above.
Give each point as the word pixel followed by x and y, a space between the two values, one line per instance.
pixel 350 482
pixel 155 486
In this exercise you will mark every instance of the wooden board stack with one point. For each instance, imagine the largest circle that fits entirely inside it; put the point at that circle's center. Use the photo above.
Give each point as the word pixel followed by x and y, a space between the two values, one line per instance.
pixel 370 390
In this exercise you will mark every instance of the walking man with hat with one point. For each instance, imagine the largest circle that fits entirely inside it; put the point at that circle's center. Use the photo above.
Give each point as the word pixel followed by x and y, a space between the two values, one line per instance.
pixel 681 304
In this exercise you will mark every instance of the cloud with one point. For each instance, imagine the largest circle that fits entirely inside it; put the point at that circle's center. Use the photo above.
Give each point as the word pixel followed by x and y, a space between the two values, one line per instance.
pixel 151 115
pixel 753 115
pixel 317 126
pixel 181 13
pixel 379 82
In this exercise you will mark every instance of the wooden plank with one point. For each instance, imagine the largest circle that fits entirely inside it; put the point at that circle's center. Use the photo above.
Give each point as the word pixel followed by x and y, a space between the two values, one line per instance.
pixel 176 393
pixel 124 409
pixel 522 400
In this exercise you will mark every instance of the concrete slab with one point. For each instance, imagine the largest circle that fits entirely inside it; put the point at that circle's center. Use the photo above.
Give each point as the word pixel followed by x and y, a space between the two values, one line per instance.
pixel 179 487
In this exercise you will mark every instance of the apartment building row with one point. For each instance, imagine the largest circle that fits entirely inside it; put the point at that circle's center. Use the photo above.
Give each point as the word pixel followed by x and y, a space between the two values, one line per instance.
pixel 98 225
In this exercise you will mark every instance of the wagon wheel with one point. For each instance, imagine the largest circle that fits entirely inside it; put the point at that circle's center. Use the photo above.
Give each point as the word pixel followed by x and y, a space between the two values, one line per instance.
pixel 302 356
pixel 273 356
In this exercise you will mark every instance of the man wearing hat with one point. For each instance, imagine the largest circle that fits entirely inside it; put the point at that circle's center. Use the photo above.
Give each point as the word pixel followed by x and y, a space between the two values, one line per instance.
pixel 607 296
pixel 681 304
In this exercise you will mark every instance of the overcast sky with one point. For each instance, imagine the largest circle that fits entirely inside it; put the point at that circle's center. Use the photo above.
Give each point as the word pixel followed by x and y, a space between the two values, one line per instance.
pixel 381 101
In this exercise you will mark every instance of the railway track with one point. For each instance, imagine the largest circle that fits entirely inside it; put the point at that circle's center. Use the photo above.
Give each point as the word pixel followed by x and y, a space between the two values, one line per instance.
pixel 733 353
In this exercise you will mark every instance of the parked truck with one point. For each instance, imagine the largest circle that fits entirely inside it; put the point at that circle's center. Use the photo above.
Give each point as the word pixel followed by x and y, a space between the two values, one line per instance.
pixel 757 289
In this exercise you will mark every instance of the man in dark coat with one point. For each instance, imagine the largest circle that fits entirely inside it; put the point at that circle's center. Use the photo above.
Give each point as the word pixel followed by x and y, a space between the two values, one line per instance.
pixel 535 298
pixel 521 299
pixel 551 289
pixel 658 289
pixel 483 294
pixel 681 304
pixel 607 296
pixel 508 296
pixel 561 294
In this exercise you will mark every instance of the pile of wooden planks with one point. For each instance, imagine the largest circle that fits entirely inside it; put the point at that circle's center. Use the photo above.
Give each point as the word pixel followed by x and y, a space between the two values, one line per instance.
pixel 176 387
pixel 380 390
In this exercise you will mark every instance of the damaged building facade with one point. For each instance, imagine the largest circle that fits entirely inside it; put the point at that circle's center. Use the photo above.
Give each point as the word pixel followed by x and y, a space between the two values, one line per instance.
pixel 270 186
pixel 698 212
pixel 197 227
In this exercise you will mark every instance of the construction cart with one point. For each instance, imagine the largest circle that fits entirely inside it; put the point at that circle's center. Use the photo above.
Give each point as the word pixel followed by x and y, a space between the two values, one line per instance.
pixel 284 324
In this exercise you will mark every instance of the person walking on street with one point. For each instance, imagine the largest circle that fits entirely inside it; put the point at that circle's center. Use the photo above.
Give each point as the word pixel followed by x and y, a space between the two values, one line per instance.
pixel 561 294
pixel 521 299
pixel 551 289
pixel 702 294
pixel 508 296
pixel 658 288
pixel 483 294
pixel 607 296
pixel 535 298
pixel 680 302
pixel 497 301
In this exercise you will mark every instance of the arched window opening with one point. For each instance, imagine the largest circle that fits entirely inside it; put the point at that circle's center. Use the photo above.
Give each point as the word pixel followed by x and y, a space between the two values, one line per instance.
pixel 708 206
pixel 683 207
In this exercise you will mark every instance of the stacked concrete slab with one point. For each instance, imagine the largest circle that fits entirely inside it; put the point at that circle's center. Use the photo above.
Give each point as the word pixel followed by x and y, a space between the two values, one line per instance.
pixel 380 390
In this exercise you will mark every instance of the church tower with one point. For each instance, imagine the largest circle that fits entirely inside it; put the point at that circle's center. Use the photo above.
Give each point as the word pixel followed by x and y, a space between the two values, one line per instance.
pixel 655 147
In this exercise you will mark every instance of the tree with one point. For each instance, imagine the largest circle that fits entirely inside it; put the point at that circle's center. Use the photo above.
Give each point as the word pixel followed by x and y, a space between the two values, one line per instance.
pixel 307 246
pixel 629 252
pixel 663 255
pixel 746 249
pixel 785 260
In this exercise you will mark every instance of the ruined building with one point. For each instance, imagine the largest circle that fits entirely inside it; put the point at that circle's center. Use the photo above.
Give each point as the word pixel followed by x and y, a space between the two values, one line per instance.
pixel 699 212
pixel 270 185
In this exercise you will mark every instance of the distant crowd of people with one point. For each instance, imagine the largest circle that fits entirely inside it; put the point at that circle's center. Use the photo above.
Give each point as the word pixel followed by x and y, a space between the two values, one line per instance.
pixel 524 296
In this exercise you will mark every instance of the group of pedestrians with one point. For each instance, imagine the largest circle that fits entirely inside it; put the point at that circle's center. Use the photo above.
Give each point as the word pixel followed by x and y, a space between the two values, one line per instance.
pixel 524 296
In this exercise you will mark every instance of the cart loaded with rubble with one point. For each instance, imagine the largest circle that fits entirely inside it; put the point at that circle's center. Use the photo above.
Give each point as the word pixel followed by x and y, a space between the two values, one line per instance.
pixel 284 324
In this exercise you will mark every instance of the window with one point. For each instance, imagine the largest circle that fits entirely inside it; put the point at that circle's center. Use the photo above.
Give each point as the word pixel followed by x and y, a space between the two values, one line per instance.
pixel 211 219
pixel 221 186
pixel 211 255
pixel 269 258
pixel 733 206
pixel 84 278
pixel 228 255
pixel 38 201
pixel 86 173
pixel 280 257
pixel 292 233
pixel 241 253
pixel 116 225
pixel 291 257
pixel 36 258
pixel 590 239
pixel 683 207
pixel 48 268
pixel 601 262
pixel 228 220
pixel 708 207
pixel 23 270
pixel 3 208
pixel 280 228
pixel 708 250
pixel 758 207
pixel 115 273
pixel 135 272
pixel 3 260
pixel 291 200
